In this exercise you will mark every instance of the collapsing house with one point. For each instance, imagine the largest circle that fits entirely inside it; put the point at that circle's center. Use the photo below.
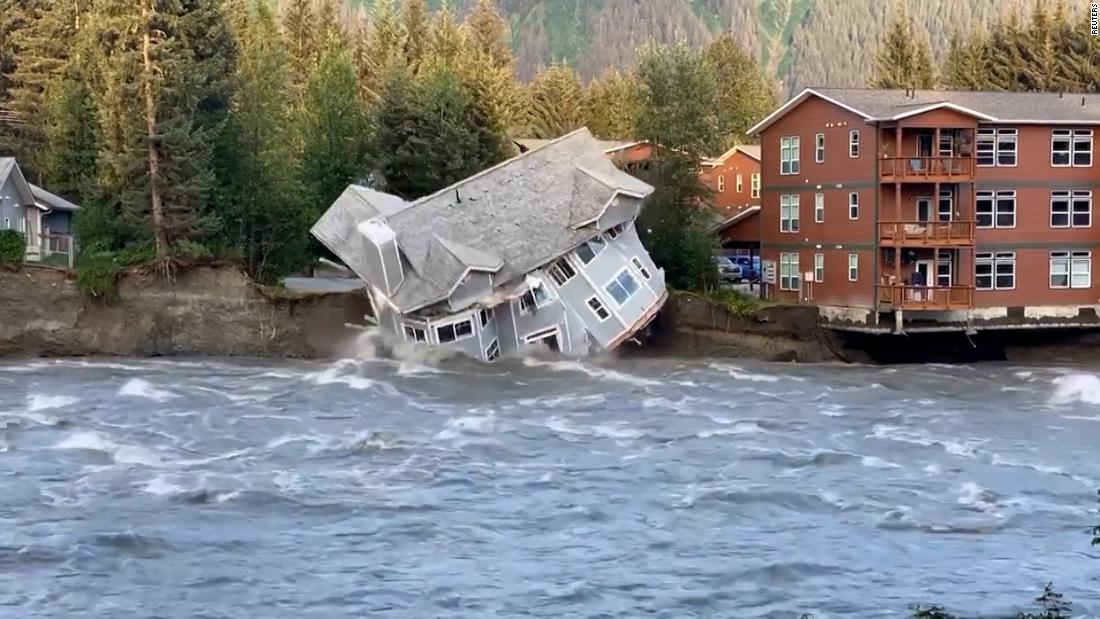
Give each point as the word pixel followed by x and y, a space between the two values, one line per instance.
pixel 538 251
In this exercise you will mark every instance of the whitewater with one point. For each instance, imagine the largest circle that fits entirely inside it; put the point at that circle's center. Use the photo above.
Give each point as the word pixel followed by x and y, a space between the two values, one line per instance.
pixel 543 487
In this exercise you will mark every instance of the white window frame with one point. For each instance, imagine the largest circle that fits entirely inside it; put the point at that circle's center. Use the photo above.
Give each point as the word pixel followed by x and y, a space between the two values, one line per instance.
pixel 994 261
pixel 613 232
pixel 454 325
pixel 1071 265
pixel 557 272
pixel 1067 203
pixel 486 316
pixel 1078 142
pixel 754 185
pixel 642 270
pixel 415 328
pixel 990 140
pixel 789 276
pixel 721 183
pixel 819 268
pixel 492 351
pixel 596 241
pixel 740 183
pixel 819 208
pixel 788 213
pixel 853 143
pixel 994 198
pixel 595 309
pixel 819 148
pixel 853 267
pixel 615 280
pixel 790 152
pixel 853 205
pixel 540 300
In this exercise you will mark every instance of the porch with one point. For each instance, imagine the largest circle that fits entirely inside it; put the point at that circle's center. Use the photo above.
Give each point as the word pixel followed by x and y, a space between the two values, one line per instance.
pixel 926 233
pixel 925 279
pixel 916 297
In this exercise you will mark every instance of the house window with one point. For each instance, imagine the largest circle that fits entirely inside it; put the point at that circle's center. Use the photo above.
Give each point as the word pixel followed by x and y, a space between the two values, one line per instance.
pixel 492 353
pixel 1071 147
pixel 598 309
pixel 946 145
pixel 754 185
pixel 416 334
pixel 788 271
pixel 853 205
pixel 853 267
pixel 996 209
pixel 614 232
pixel 945 209
pixel 819 208
pixel 485 316
pixel 641 267
pixel 740 183
pixel 1070 209
pixel 622 287
pixel 819 148
pixel 533 299
pixel 455 331
pixel 788 155
pixel 853 143
pixel 995 271
pixel 1070 269
pixel 788 213
pixel 561 271
pixel 591 248
pixel 996 147
pixel 819 268
pixel 721 184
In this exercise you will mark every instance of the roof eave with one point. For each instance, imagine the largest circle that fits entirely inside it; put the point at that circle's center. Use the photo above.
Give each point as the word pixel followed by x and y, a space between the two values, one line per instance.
pixel 795 102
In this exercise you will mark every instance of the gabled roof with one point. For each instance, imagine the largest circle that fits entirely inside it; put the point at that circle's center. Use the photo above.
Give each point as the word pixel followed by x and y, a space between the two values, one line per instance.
pixel 54 202
pixel 8 169
pixel 987 106
pixel 608 146
pixel 750 150
pixel 736 217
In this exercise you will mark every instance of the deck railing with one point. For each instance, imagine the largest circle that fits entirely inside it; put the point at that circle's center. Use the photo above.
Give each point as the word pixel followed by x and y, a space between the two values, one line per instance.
pixel 926 232
pixel 904 296
pixel 923 168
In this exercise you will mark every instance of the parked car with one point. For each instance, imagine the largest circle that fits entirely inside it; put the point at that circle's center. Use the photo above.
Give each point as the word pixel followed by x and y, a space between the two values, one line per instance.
pixel 728 270
pixel 750 267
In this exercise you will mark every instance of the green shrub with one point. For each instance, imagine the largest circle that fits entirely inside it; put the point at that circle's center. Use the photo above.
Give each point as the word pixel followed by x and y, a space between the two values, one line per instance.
pixel 97 276
pixel 191 251
pixel 12 247
pixel 134 255
pixel 738 303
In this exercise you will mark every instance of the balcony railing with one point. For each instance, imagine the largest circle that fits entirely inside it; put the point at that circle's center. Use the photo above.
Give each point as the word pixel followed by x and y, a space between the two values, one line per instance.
pixel 926 233
pixel 902 296
pixel 926 168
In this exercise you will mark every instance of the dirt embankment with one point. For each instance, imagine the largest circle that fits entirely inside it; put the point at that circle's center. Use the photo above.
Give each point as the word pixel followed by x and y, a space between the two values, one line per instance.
pixel 214 311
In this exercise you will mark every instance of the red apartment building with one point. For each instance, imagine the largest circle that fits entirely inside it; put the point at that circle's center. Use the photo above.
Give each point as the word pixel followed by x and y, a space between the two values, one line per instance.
pixel 895 209
pixel 734 181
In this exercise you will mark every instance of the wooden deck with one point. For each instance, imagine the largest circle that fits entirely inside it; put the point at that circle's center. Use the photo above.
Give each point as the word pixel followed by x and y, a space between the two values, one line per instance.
pixel 926 169
pixel 926 233
pixel 937 298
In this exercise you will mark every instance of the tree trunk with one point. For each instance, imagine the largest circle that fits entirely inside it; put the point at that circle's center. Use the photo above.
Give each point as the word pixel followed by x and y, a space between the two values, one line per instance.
pixel 160 232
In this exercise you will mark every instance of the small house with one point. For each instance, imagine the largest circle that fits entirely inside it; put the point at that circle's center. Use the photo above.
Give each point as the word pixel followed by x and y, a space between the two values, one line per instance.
pixel 43 218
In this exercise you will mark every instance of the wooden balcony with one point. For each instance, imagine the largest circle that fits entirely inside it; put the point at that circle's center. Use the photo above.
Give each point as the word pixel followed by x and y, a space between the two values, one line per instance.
pixel 926 233
pixel 942 298
pixel 926 169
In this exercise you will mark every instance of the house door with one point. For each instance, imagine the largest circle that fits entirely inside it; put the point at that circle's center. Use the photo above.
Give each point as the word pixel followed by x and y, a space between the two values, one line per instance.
pixel 924 145
pixel 924 209
pixel 943 275
pixel 924 267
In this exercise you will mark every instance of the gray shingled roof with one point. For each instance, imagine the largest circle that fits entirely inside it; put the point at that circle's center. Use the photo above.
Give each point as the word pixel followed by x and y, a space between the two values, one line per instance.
pixel 509 219
pixel 7 164
pixel 52 200
pixel 1004 106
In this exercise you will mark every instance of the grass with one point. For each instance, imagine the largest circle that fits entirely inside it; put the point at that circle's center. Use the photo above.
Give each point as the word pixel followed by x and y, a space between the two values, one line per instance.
pixel 738 303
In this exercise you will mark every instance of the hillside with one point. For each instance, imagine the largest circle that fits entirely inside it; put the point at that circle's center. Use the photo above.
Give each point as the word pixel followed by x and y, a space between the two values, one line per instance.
pixel 800 42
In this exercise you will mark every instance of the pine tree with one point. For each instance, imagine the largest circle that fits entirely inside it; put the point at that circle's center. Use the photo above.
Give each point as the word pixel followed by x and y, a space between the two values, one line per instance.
pixel 966 66
pixel 556 101
pixel 414 16
pixel 489 33
pixel 259 198
pixel 924 68
pixel 383 49
pixel 334 130
pixel 1007 65
pixel 300 34
pixel 1042 68
pixel 71 152
pixel 895 63
pixel 328 27
pixel 745 96
pixel 446 39
pixel 609 105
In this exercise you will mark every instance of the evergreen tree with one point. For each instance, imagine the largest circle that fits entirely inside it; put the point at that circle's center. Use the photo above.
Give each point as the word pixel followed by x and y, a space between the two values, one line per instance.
pixel 327 25
pixel 966 66
pixel 901 62
pixel 924 67
pixel 70 156
pixel 414 16
pixel 556 101
pixel 446 40
pixel 489 33
pixel 260 184
pixel 1006 61
pixel 383 50
pixel 609 105
pixel 300 34
pixel 744 95
pixel 334 130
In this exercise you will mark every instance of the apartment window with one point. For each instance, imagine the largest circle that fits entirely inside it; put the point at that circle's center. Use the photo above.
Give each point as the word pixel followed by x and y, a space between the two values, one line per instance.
pixel 416 334
pixel 853 143
pixel 492 353
pixel 819 208
pixel 853 205
pixel 788 155
pixel 598 309
pixel 622 287
pixel 819 268
pixel 485 316
pixel 996 147
pixel 1070 269
pixel 641 267
pixel 819 148
pixel 995 271
pixel 946 147
pixel 590 249
pixel 740 183
pixel 853 267
pixel 561 271
pixel 1071 147
pixel 533 299
pixel 1070 209
pixel 721 183
pixel 455 331
pixel 788 213
pixel 754 185
pixel 788 271
pixel 996 209
pixel 945 210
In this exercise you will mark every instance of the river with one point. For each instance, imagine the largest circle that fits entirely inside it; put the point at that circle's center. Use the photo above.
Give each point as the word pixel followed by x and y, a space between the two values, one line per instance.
pixel 550 488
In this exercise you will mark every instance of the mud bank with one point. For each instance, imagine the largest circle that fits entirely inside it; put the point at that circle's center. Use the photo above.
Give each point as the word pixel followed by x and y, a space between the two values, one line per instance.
pixel 215 311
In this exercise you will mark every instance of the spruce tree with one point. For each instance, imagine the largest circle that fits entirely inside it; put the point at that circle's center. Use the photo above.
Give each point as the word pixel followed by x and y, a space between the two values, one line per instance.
pixel 1042 69
pixel 924 68
pixel 328 27
pixel 446 40
pixel 300 34
pixel 384 49
pixel 71 153
pixel 414 16
pixel 489 33
pixel 609 105
pixel 895 62
pixel 744 94
pixel 966 66
pixel 1006 61
pixel 556 101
